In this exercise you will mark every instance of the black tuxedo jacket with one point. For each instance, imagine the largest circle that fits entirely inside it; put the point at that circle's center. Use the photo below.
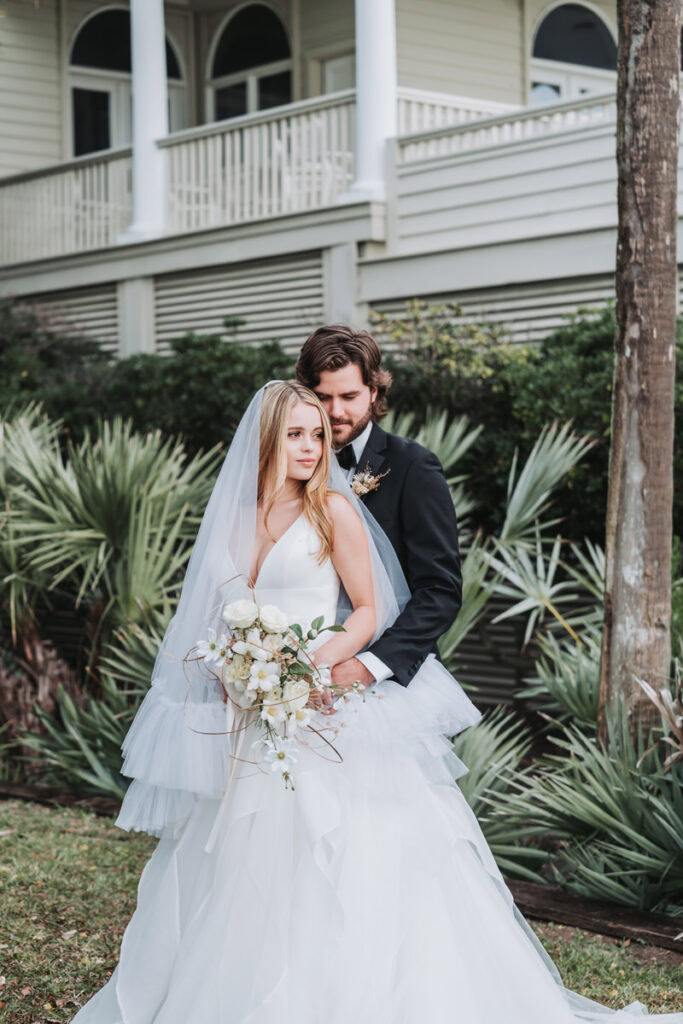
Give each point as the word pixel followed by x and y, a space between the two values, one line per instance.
pixel 413 505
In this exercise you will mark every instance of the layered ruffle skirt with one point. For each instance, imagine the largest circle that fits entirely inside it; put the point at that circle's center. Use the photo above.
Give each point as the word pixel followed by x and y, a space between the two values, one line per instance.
pixel 366 895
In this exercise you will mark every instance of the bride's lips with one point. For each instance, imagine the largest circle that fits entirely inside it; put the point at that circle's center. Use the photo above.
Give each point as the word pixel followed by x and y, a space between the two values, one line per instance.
pixel 306 462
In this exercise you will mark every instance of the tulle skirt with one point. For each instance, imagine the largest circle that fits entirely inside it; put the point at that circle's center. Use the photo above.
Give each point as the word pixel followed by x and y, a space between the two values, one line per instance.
pixel 367 895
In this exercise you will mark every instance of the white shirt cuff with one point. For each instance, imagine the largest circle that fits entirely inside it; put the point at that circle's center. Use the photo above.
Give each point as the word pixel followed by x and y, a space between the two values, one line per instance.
pixel 376 667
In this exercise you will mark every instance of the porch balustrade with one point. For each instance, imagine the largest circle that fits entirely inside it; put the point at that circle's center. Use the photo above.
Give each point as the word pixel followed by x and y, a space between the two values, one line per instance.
pixel 290 159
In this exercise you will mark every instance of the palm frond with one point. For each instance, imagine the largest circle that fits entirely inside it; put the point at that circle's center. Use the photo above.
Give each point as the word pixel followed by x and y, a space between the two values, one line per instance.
pixel 555 452
pixel 449 440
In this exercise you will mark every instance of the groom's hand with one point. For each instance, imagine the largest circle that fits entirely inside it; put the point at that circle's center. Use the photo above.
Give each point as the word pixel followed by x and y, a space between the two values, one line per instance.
pixel 348 672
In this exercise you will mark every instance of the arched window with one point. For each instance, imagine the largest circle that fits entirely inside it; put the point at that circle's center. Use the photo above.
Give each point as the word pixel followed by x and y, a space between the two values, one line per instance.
pixel 573 53
pixel 100 79
pixel 251 67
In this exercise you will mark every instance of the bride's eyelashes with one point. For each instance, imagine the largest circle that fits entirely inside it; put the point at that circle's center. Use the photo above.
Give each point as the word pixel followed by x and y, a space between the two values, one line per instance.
pixel 296 433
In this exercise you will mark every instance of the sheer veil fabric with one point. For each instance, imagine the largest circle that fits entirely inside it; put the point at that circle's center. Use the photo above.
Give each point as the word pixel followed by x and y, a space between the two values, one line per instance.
pixel 183 708
pixel 366 896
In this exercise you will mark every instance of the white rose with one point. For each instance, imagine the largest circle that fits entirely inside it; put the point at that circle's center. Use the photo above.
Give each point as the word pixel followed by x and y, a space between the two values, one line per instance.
pixel 295 695
pixel 273 619
pixel 264 675
pixel 240 614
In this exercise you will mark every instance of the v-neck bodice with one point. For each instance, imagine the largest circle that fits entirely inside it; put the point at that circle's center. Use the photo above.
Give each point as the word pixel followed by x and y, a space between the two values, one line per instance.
pixel 291 577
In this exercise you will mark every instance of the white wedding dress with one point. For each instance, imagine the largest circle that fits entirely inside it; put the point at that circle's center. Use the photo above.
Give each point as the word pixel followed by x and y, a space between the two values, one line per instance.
pixel 367 895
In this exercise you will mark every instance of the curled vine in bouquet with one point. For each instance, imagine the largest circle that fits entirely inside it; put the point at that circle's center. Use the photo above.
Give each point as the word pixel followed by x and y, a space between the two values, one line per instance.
pixel 266 668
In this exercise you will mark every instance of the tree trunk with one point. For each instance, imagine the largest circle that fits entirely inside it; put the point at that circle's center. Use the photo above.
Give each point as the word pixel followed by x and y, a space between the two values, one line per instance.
pixel 636 638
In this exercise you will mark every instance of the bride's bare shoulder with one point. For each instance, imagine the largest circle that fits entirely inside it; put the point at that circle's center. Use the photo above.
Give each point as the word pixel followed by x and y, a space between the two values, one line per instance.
pixel 342 513
pixel 338 505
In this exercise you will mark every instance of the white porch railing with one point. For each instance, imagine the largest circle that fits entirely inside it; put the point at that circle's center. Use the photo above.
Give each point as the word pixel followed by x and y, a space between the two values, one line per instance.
pixel 284 160
pixel 71 207
pixel 420 111
pixel 529 123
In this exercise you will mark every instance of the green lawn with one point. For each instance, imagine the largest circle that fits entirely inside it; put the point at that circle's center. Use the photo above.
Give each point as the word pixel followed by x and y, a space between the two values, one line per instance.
pixel 68 884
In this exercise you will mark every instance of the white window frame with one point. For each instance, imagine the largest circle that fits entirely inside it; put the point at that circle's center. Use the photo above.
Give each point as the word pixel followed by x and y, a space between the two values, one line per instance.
pixel 574 80
pixel 117 84
pixel 251 76
pixel 346 55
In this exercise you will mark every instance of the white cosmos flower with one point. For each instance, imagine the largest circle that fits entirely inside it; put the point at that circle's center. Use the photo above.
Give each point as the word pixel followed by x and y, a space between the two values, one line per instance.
pixel 300 718
pixel 242 697
pixel 240 614
pixel 295 694
pixel 282 756
pixel 240 647
pixel 273 619
pixel 255 645
pixel 272 708
pixel 264 675
pixel 273 642
pixel 214 650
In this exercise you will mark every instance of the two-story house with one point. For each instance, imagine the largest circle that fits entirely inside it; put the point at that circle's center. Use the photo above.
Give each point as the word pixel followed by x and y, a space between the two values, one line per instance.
pixel 165 165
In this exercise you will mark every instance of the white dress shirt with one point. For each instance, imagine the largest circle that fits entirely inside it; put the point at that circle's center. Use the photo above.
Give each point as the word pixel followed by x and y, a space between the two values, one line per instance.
pixel 372 663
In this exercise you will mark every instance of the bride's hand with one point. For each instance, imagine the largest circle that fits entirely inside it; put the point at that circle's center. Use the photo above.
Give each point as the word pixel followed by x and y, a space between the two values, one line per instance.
pixel 321 700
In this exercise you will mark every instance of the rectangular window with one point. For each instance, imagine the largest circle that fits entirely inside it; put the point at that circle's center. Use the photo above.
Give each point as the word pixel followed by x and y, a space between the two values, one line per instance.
pixel 91 121
pixel 274 90
pixel 231 101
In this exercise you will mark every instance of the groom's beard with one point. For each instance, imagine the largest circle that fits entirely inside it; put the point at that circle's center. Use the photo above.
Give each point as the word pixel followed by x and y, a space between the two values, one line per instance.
pixel 350 431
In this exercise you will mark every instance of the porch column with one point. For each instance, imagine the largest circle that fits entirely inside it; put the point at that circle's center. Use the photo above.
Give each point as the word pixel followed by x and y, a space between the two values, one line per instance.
pixel 150 119
pixel 376 95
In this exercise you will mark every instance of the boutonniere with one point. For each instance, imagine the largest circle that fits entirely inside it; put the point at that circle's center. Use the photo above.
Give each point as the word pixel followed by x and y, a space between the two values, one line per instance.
pixel 365 482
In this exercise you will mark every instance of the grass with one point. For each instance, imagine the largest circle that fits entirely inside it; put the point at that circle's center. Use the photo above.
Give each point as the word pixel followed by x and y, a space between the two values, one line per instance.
pixel 68 885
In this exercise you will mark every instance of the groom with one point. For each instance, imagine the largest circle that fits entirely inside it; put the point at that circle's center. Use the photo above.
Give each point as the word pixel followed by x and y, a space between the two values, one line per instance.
pixel 408 496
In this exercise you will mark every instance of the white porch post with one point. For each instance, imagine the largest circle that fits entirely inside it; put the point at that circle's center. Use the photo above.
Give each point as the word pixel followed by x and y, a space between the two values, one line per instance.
pixel 376 95
pixel 150 119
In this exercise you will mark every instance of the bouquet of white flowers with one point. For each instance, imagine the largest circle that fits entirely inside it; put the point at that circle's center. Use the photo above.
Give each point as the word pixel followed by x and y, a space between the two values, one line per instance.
pixel 265 665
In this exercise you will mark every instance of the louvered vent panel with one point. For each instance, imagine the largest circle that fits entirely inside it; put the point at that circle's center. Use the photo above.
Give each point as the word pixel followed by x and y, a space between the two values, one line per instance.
pixel 280 300
pixel 89 312
pixel 530 312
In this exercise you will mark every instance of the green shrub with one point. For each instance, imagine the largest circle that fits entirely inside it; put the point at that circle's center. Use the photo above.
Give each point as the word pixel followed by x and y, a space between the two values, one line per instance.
pixel 197 391
pixel 513 391
pixel 42 362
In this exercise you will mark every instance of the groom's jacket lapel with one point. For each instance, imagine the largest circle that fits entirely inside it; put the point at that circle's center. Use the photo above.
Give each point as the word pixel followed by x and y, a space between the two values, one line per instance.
pixel 374 453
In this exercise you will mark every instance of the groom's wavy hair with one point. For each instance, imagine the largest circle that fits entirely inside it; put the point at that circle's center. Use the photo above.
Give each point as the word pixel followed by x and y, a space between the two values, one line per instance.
pixel 279 398
pixel 335 346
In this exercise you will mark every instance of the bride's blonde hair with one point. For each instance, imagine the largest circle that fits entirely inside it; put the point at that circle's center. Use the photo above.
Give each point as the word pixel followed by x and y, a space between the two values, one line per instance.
pixel 278 401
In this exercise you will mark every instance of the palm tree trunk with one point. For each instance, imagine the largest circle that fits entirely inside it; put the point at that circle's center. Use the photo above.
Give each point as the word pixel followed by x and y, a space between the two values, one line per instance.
pixel 636 639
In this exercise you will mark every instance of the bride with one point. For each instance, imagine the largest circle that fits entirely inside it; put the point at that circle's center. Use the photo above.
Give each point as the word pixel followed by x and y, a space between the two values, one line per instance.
pixel 367 893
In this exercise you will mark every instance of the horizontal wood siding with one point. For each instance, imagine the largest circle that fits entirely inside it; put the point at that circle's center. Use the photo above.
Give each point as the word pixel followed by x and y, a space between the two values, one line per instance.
pixel 529 312
pixel 88 312
pixel 541 187
pixel 326 29
pixel 488 662
pixel 468 48
pixel 280 300
pixel 30 90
